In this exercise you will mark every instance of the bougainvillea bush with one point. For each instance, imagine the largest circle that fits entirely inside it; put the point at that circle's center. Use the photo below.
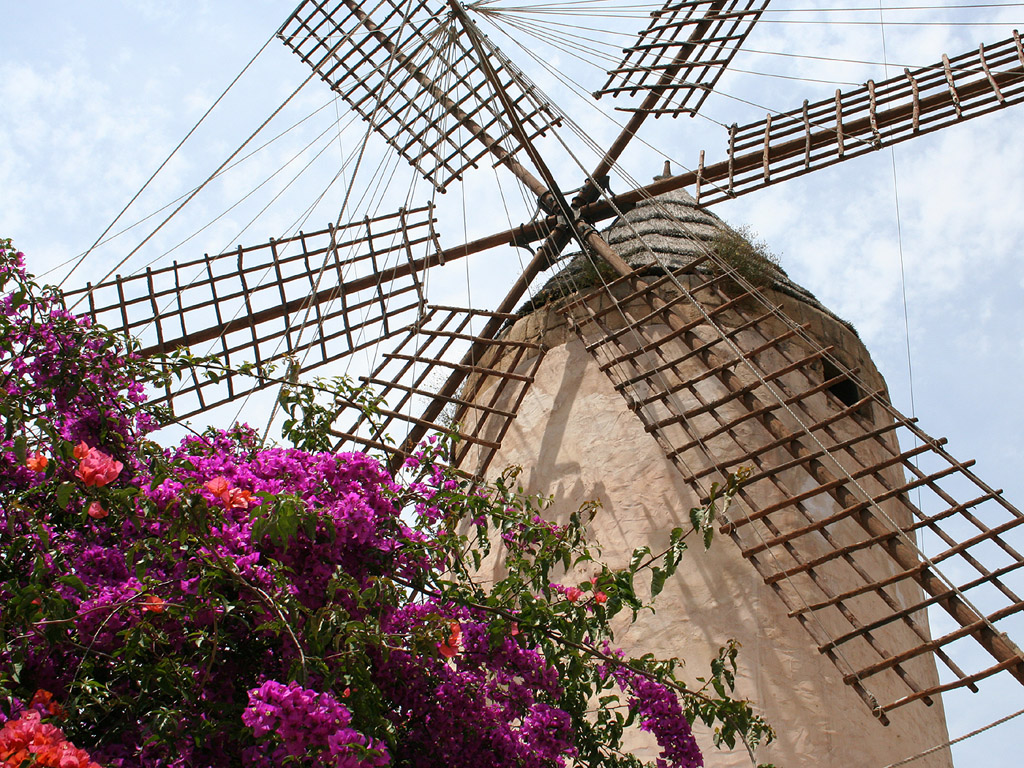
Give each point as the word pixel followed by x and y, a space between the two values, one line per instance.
pixel 230 603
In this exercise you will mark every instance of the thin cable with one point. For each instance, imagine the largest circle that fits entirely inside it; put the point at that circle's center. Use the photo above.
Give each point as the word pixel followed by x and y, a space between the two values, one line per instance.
pixel 253 191
pixel 201 186
pixel 253 135
pixel 237 236
pixel 309 303
pixel 164 163
pixel 903 273
pixel 164 207
pixel 957 740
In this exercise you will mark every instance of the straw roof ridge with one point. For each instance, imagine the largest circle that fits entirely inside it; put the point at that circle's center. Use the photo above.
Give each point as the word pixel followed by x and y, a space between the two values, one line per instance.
pixel 668 232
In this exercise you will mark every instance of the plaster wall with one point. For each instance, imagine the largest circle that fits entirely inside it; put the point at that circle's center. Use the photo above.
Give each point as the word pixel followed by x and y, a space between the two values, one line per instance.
pixel 577 442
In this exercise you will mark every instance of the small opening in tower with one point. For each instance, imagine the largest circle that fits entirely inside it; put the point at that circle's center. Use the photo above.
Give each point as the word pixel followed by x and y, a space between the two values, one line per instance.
pixel 845 390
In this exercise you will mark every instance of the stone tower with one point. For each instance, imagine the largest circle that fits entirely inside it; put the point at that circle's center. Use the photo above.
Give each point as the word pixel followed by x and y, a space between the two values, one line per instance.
pixel 578 439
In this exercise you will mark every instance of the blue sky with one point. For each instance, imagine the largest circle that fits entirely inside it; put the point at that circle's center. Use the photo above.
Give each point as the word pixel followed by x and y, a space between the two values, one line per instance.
pixel 95 96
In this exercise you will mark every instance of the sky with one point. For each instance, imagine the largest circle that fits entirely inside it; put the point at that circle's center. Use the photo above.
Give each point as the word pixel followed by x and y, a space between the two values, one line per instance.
pixel 96 95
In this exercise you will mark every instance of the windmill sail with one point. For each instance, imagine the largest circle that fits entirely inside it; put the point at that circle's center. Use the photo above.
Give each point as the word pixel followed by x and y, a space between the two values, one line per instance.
pixel 876 115
pixel 414 77
pixel 722 364
pixel 411 375
pixel 851 124
pixel 684 51
pixel 307 300
pixel 841 487
pixel 833 457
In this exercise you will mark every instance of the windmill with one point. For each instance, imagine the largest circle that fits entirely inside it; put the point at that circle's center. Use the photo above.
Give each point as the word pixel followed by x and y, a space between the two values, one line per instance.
pixel 370 54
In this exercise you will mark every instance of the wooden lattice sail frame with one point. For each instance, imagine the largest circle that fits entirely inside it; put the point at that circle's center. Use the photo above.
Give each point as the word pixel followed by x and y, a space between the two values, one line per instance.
pixel 786 420
pixel 363 284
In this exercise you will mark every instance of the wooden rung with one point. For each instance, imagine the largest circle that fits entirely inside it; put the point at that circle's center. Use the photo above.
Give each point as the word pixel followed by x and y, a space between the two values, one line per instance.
pixel 785 439
pixel 632 324
pixel 714 371
pixel 686 327
pixel 987 535
pixel 832 554
pixel 967 681
pixel 922 605
pixel 728 527
pixel 459 366
pixel 956 634
pixel 842 514
pixel 470 337
pixel 819 453
pixel 602 290
pixel 908 573
pixel 931 521
pixel 645 292
pixel 427 393
pixel 371 443
pixel 644 287
pixel 817 524
pixel 733 395
pixel 467 311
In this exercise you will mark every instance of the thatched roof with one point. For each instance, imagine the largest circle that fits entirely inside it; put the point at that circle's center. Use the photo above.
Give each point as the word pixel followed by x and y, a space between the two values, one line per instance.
pixel 668 232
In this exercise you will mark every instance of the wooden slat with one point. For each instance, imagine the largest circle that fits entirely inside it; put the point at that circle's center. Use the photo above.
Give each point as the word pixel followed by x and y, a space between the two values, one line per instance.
pixel 841 128
pixel 396 62
pixel 432 348
pixel 683 52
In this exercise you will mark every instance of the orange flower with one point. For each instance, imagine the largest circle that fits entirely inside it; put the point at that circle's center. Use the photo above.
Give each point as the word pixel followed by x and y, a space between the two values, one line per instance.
pixel 28 738
pixel 452 645
pixel 218 486
pixel 238 499
pixel 82 450
pixel 231 498
pixel 96 511
pixel 37 462
pixel 153 604
pixel 44 699
pixel 600 597
pixel 95 467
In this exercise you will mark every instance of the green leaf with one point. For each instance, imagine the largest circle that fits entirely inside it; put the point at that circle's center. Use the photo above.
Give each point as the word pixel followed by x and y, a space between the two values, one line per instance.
pixel 75 583
pixel 658 577
pixel 638 557
pixel 64 491
pixel 20 448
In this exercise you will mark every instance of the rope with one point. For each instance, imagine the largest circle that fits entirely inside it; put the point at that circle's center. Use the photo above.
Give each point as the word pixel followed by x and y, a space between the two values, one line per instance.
pixel 957 740
pixel 164 163
pixel 202 186
pixel 899 245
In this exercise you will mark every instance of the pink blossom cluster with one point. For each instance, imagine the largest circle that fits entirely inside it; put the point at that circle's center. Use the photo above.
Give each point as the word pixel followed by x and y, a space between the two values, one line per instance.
pixel 203 544
pixel 491 703
pixel 305 723
pixel 661 715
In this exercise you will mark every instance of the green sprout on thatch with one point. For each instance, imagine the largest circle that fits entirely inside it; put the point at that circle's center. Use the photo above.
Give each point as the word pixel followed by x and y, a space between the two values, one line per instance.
pixel 748 255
